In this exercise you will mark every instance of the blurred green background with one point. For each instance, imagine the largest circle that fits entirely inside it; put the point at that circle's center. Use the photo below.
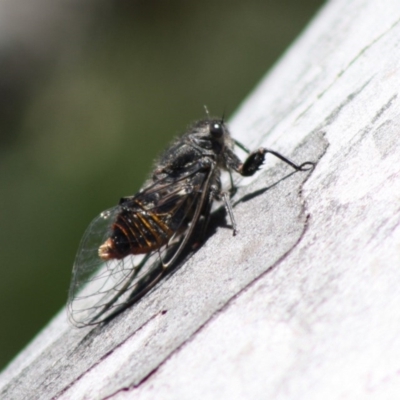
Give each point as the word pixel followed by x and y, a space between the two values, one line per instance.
pixel 90 92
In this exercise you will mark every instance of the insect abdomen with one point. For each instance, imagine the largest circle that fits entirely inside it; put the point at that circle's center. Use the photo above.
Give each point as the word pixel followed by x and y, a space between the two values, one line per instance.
pixel 135 232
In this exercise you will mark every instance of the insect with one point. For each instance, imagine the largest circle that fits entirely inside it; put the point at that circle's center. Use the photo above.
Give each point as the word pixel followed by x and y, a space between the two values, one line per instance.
pixel 127 249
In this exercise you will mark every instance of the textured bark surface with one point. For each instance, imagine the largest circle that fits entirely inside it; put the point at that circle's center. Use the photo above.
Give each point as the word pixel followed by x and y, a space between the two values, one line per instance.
pixel 303 302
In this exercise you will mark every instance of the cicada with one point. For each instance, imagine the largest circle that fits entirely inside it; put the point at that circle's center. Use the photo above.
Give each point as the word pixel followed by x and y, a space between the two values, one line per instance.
pixel 128 248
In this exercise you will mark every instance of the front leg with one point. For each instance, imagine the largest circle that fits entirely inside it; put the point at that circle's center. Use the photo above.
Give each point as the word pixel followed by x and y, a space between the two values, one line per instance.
pixel 253 162
pixel 255 159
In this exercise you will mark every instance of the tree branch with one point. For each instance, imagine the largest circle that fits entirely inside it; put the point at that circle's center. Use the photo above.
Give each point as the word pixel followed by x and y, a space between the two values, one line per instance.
pixel 303 302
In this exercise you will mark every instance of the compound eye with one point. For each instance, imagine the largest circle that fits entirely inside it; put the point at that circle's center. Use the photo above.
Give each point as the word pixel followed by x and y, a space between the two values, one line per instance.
pixel 216 130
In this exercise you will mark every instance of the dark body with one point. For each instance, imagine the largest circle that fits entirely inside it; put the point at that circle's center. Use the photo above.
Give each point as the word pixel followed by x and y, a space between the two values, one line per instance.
pixel 186 179
pixel 126 250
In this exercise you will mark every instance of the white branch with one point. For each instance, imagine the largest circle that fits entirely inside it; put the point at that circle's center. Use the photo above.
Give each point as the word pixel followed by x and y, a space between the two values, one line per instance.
pixel 304 302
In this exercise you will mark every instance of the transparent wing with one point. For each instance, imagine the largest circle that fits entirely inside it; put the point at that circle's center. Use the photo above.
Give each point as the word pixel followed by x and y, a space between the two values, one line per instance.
pixel 97 284
pixel 99 289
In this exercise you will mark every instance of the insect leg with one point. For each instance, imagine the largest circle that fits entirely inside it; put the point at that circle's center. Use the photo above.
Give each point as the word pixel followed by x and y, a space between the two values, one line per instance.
pixel 228 207
pixel 206 213
pixel 217 194
pixel 256 159
pixel 233 188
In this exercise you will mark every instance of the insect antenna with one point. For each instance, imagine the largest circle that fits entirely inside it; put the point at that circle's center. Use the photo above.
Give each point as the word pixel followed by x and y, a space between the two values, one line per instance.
pixel 207 112
pixel 223 116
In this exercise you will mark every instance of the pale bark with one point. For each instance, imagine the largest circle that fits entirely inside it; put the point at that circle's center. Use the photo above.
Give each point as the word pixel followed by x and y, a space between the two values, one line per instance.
pixel 304 302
